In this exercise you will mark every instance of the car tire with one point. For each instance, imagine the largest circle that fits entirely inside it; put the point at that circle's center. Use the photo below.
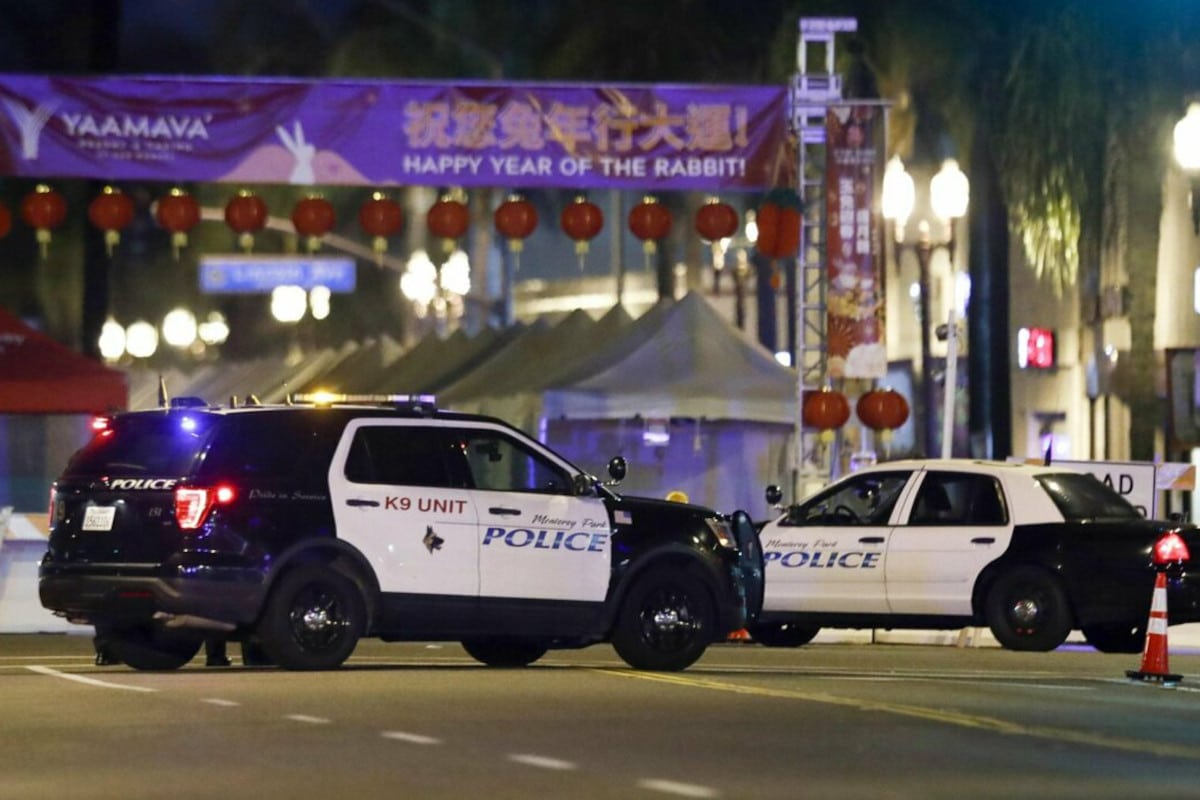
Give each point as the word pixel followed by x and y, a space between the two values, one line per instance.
pixel 313 619
pixel 784 634
pixel 666 621
pixel 151 647
pixel 1115 637
pixel 504 652
pixel 1027 609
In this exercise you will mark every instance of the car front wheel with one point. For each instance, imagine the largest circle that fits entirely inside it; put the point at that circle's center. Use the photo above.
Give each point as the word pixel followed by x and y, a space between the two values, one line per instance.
pixel 1027 609
pixel 666 621
pixel 313 619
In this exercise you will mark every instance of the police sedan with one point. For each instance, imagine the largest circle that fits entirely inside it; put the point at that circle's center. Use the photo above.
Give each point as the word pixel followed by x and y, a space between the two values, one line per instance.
pixel 1033 552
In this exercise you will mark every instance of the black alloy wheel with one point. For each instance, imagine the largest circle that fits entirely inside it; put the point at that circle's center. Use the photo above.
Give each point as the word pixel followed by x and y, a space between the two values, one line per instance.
pixel 1027 609
pixel 313 620
pixel 666 621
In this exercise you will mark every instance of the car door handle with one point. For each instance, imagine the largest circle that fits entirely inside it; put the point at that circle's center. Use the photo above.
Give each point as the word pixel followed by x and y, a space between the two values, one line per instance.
pixel 504 512
pixel 984 540
pixel 870 540
pixel 357 503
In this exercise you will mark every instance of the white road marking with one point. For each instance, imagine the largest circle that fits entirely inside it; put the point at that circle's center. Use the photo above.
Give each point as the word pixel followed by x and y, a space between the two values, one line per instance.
pixel 217 701
pixel 411 738
pixel 307 718
pixel 677 788
pixel 544 762
pixel 89 681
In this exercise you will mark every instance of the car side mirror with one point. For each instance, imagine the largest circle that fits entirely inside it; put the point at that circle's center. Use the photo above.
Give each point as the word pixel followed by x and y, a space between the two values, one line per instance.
pixel 774 495
pixel 616 469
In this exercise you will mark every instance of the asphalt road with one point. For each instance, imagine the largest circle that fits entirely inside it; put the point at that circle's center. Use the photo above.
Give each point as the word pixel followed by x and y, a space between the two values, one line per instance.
pixel 424 721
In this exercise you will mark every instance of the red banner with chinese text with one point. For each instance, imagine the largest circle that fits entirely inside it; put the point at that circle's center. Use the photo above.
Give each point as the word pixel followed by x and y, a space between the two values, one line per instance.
pixel 855 324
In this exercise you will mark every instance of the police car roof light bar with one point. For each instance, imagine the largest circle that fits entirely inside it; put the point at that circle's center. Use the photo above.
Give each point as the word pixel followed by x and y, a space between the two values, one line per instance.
pixel 413 401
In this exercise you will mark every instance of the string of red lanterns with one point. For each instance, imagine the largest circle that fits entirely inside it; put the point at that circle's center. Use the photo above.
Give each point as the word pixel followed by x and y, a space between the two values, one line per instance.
pixel 44 209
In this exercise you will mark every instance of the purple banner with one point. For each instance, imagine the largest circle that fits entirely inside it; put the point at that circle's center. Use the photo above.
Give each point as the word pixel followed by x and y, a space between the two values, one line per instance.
pixel 705 138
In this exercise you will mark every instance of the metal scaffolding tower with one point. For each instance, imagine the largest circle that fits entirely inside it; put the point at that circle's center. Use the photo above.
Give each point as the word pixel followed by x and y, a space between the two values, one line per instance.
pixel 814 88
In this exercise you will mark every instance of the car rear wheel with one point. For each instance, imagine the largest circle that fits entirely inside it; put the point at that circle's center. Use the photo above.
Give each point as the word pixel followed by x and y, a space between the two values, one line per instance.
pixel 666 621
pixel 151 647
pixel 1027 609
pixel 313 619
pixel 1116 637
pixel 504 652
pixel 783 634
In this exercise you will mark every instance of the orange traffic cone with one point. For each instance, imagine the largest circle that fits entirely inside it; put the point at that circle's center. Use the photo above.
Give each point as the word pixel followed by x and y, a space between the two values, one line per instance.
pixel 1154 653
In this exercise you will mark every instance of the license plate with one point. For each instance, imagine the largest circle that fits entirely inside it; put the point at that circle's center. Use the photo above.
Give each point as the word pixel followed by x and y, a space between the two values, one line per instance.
pixel 99 518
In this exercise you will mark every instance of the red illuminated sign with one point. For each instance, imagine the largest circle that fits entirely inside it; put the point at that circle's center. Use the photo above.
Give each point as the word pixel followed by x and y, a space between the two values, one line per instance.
pixel 1035 348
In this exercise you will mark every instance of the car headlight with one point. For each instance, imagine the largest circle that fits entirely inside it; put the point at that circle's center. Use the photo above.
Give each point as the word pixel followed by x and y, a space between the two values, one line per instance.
pixel 721 530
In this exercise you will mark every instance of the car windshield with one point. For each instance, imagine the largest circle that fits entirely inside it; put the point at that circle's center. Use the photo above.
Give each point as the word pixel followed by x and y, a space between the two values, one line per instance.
pixel 1082 497
pixel 152 444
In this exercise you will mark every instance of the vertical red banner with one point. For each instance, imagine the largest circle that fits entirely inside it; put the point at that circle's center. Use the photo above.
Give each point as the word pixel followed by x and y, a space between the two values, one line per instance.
pixel 855 325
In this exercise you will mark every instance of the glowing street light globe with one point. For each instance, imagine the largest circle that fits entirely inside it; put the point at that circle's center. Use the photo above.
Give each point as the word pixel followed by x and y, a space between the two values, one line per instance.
pixel 179 328
pixel 288 303
pixel 141 339
pixel 949 191
pixel 112 340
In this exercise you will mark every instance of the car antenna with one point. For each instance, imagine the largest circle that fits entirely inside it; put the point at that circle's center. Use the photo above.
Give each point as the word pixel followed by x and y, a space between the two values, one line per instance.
pixel 163 399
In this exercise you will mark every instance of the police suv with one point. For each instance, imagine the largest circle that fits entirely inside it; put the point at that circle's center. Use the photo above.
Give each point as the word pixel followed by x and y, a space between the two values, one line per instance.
pixel 1031 551
pixel 300 528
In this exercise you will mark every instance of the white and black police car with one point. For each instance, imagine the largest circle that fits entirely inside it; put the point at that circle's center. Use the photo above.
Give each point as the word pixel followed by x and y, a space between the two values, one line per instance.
pixel 300 528
pixel 1033 552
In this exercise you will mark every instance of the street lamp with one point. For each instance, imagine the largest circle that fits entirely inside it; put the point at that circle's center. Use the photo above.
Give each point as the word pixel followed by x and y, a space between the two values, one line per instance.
pixel 1187 154
pixel 949 193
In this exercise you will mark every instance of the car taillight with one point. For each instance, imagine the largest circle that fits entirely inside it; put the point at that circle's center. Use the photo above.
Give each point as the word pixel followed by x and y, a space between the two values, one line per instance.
pixel 1170 549
pixel 53 497
pixel 192 504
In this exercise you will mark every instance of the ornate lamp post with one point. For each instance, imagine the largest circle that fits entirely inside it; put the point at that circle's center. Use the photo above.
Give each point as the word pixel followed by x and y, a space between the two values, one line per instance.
pixel 949 191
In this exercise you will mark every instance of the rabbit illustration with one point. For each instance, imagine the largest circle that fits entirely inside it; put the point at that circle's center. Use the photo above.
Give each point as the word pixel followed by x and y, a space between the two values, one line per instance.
pixel 304 152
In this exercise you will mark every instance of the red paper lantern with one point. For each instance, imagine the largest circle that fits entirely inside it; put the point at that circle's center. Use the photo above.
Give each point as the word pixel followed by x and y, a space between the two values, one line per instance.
pixel 650 220
pixel 43 209
pixel 448 219
pixel 825 410
pixel 582 220
pixel 178 212
pixel 778 220
pixel 515 219
pixel 381 217
pixel 5 220
pixel 111 211
pixel 716 220
pixel 882 410
pixel 313 217
pixel 246 214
